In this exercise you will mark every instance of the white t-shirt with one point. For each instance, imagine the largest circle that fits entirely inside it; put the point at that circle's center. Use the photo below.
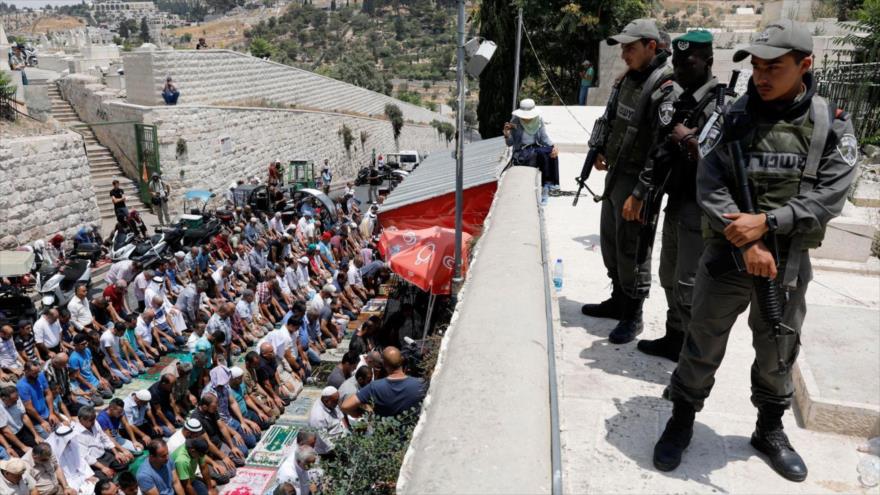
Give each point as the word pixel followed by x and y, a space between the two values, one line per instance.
pixel 140 285
pixel 354 276
pixel 47 333
pixel 143 331
pixel 108 339
pixel 120 270
pixel 280 340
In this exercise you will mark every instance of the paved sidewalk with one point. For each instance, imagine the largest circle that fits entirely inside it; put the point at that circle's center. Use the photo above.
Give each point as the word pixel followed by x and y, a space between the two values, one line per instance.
pixel 610 405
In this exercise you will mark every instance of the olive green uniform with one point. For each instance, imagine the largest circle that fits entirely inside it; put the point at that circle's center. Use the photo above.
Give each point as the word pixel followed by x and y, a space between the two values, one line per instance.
pixel 803 190
pixel 682 241
pixel 634 111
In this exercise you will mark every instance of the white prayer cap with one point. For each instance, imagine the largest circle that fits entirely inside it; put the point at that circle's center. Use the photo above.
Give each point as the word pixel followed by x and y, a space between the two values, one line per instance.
pixel 328 391
pixel 237 372
pixel 143 395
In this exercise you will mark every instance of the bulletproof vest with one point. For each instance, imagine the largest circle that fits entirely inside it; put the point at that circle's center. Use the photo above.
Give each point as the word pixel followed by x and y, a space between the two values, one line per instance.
pixel 777 155
pixel 633 97
pixel 694 114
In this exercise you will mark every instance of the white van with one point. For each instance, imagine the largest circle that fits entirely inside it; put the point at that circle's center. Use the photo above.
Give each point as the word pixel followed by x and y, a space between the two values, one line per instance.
pixel 406 160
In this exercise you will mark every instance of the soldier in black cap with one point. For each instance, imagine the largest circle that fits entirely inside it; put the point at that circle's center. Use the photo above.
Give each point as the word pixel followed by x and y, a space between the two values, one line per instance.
pixel 625 151
pixel 774 170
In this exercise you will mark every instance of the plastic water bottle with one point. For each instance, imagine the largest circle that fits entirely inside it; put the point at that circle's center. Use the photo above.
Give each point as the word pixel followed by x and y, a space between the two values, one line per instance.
pixel 869 471
pixel 557 274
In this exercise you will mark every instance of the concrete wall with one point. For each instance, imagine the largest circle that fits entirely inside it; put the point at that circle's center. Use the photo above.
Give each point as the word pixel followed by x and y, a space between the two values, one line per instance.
pixel 496 347
pixel 95 103
pixel 37 99
pixel 45 188
pixel 227 77
pixel 257 136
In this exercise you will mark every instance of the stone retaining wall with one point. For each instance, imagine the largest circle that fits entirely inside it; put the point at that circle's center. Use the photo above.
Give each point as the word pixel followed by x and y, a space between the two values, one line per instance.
pixel 212 77
pixel 255 137
pixel 96 103
pixel 485 424
pixel 45 188
pixel 227 143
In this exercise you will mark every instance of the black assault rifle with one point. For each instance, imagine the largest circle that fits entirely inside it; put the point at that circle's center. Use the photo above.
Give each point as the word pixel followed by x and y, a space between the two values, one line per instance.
pixel 663 157
pixel 770 303
pixel 601 128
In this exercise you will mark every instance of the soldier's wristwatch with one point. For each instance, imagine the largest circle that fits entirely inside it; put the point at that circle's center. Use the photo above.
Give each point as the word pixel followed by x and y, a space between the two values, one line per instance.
pixel 772 224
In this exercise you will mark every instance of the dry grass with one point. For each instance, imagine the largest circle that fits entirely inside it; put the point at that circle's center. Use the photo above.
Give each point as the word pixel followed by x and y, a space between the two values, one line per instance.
pixel 47 24
pixel 222 33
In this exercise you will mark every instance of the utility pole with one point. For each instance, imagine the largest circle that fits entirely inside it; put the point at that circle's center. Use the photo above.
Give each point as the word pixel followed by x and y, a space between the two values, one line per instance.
pixel 459 152
pixel 519 28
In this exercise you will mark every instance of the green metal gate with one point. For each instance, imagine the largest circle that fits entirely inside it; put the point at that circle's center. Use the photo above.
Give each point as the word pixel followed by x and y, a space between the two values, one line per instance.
pixel 147 139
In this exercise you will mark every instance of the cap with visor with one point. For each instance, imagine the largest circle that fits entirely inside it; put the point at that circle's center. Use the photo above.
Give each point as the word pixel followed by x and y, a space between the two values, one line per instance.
pixel 636 30
pixel 779 38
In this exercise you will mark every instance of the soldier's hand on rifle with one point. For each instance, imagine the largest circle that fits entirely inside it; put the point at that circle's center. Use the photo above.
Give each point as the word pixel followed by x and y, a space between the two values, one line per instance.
pixel 554 152
pixel 600 162
pixel 632 209
pixel 745 228
pixel 759 260
pixel 679 132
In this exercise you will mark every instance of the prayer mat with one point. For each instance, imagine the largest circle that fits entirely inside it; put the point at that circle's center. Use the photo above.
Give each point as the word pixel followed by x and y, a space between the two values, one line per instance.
pixel 156 370
pixel 298 410
pixel 248 481
pixel 274 446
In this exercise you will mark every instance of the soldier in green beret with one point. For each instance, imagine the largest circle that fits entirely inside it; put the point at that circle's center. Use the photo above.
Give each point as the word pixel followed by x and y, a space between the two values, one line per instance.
pixel 673 170
pixel 774 170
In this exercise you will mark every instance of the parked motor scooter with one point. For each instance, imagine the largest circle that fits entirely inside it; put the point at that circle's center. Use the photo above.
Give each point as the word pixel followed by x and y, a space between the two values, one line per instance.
pixel 30 54
pixel 56 285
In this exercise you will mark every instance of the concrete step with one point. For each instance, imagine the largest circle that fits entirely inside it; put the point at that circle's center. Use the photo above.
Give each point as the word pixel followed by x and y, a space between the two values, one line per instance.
pixel 104 164
pixel 101 157
pixel 105 174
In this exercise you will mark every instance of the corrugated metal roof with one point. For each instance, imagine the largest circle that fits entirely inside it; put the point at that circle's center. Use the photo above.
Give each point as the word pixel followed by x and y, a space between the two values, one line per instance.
pixel 483 162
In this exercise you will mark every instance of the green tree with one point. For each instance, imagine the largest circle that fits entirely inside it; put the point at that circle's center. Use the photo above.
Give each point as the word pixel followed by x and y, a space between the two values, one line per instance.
pixel 124 32
pixel 347 138
pixel 357 67
pixel 395 115
pixel 145 30
pixel 564 33
pixel 867 48
pixel 261 48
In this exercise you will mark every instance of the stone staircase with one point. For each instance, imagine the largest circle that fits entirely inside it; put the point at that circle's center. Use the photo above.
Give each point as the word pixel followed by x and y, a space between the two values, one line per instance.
pixel 103 165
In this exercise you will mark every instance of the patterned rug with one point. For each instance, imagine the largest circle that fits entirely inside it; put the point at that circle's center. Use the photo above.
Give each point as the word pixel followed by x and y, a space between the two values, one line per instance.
pixel 277 443
pixel 249 481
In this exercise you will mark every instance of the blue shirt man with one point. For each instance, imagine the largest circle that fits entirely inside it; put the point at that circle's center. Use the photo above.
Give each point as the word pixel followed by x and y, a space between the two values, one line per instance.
pixel 157 475
pixel 33 390
pixel 81 361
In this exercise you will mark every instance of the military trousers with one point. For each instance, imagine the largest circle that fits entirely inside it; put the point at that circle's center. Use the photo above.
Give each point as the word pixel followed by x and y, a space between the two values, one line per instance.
pixel 618 238
pixel 717 302
pixel 682 246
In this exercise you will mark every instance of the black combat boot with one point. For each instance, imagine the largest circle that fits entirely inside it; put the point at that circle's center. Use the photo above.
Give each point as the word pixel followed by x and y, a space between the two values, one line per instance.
pixel 609 308
pixel 676 437
pixel 667 346
pixel 630 323
pixel 770 440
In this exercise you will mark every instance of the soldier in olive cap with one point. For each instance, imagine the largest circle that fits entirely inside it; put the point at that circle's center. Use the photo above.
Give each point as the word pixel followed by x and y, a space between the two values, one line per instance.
pixel 801 159
pixel 624 154
pixel 681 115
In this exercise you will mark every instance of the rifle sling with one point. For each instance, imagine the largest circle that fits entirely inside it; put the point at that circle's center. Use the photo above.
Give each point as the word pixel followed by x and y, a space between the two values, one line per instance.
pixel 821 126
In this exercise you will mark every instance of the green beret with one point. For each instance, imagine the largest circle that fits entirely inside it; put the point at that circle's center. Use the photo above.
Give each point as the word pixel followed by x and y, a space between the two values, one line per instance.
pixel 698 36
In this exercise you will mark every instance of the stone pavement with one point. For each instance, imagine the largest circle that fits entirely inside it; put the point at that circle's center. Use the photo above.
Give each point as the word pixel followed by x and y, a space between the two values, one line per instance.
pixel 610 406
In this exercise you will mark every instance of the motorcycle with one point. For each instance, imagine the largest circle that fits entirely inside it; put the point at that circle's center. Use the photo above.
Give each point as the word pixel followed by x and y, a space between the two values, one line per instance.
pixel 393 175
pixel 30 54
pixel 15 305
pixel 56 285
